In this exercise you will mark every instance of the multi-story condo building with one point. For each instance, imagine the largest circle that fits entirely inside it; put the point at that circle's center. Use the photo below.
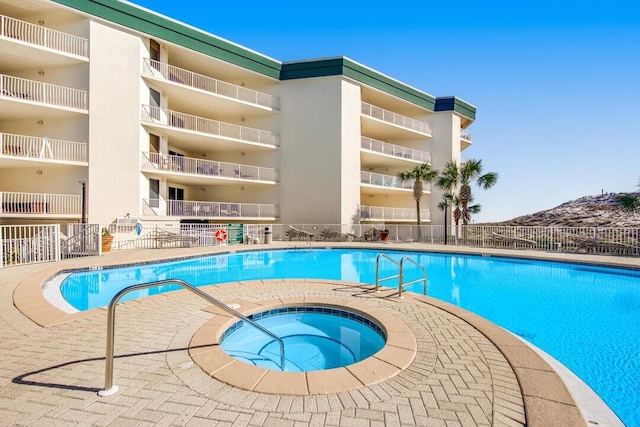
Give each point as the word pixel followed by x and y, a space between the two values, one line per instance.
pixel 110 110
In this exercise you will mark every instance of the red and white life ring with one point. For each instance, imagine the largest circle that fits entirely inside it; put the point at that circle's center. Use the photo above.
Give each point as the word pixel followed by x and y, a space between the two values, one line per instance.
pixel 221 235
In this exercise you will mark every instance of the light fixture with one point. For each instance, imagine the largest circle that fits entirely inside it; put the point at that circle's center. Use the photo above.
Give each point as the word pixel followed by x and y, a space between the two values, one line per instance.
pixel 41 22
pixel 41 72
pixel 39 122
pixel 242 118
pixel 38 172
pixel 241 188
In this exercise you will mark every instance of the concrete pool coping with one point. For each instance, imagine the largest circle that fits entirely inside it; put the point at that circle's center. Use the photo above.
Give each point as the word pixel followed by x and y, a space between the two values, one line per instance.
pixel 546 397
pixel 397 354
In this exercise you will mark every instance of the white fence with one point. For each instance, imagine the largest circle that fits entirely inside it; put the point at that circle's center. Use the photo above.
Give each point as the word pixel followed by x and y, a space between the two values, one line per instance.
pixel 168 72
pixel 394 150
pixel 40 203
pixel 395 118
pixel 29 244
pixel 184 121
pixel 27 32
pixel 45 93
pixel 190 165
pixel 42 243
pixel 381 180
pixel 43 148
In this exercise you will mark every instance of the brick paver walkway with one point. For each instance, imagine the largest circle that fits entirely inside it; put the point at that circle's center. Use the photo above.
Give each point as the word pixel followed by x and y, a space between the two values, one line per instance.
pixel 50 376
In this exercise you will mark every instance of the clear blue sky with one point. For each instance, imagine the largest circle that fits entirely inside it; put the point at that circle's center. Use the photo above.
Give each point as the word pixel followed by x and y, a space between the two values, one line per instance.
pixel 556 83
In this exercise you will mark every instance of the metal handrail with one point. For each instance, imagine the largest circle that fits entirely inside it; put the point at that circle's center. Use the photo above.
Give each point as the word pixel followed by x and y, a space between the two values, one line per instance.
pixel 400 275
pixel 402 284
pixel 109 388
pixel 378 279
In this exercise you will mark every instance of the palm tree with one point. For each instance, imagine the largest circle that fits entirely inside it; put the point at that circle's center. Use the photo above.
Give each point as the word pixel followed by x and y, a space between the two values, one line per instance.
pixel 462 176
pixel 421 173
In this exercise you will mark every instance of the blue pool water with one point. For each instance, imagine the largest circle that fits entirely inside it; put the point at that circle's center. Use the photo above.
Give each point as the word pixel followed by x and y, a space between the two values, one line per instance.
pixel 586 317
pixel 314 338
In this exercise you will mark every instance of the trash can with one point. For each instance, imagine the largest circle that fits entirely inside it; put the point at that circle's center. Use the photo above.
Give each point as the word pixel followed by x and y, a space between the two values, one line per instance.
pixel 267 236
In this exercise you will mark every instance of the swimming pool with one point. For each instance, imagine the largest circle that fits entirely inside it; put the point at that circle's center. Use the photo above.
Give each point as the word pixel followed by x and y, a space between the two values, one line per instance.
pixel 586 317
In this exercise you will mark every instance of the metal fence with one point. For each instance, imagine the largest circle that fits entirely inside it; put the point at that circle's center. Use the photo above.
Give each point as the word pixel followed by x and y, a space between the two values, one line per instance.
pixel 29 244
pixel 43 243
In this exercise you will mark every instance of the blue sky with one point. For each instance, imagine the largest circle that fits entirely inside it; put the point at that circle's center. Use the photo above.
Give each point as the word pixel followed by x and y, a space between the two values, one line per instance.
pixel 556 83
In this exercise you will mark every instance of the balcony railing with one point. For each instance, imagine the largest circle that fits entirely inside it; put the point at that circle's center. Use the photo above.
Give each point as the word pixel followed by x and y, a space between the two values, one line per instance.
pixel 466 136
pixel 31 90
pixel 173 74
pixel 211 168
pixel 40 203
pixel 394 150
pixel 42 36
pixel 188 208
pixel 379 213
pixel 396 119
pixel 388 181
pixel 188 122
pixel 42 148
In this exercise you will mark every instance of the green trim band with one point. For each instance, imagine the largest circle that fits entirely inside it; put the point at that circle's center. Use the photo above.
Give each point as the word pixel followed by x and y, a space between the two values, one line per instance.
pixel 157 26
pixel 348 68
pixel 451 103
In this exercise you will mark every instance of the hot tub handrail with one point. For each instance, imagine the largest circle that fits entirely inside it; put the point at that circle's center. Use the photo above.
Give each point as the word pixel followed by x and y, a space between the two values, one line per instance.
pixel 109 388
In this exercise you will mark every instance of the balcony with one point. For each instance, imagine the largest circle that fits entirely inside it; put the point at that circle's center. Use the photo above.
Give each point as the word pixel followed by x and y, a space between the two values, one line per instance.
pixel 42 149
pixel 380 183
pixel 23 98
pixel 397 155
pixel 192 168
pixel 28 45
pixel 465 140
pixel 40 204
pixel 378 120
pixel 190 89
pixel 209 210
pixel 189 130
pixel 380 213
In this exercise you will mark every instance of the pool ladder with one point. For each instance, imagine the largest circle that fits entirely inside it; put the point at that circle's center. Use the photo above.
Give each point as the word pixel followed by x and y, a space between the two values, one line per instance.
pixel 400 275
pixel 109 388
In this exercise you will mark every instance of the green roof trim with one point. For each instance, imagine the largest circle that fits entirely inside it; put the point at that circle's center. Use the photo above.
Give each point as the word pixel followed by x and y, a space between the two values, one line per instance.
pixel 346 67
pixel 171 31
pixel 451 103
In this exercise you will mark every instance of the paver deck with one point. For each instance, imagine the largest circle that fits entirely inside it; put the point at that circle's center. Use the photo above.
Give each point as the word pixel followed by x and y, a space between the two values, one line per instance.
pixel 466 371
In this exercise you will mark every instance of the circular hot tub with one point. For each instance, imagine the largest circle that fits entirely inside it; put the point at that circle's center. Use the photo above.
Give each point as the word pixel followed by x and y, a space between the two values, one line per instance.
pixel 314 338
pixel 330 345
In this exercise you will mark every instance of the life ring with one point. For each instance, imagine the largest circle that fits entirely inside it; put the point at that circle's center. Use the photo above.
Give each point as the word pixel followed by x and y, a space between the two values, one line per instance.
pixel 221 235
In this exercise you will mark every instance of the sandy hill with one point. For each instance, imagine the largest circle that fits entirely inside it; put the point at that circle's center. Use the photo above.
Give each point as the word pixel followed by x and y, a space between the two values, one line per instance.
pixel 589 211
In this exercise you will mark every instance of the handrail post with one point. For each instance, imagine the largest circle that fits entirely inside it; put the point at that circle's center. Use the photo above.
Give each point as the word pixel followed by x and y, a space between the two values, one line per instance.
pixel 109 388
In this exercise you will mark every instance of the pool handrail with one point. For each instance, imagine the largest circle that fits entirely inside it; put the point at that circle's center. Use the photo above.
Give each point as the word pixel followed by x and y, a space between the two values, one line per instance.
pixel 400 275
pixel 378 279
pixel 109 388
pixel 402 283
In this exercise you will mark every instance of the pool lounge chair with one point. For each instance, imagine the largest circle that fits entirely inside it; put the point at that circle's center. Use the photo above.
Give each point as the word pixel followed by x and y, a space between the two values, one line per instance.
pixel 297 234
pixel 328 234
pixel 501 240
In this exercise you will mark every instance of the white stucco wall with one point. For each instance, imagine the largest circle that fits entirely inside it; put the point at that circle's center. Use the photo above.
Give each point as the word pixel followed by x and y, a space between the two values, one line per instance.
pixel 445 146
pixel 319 155
pixel 114 143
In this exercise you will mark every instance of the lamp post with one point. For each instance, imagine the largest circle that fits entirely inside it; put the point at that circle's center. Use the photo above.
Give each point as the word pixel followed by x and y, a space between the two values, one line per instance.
pixel 84 201
pixel 446 205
